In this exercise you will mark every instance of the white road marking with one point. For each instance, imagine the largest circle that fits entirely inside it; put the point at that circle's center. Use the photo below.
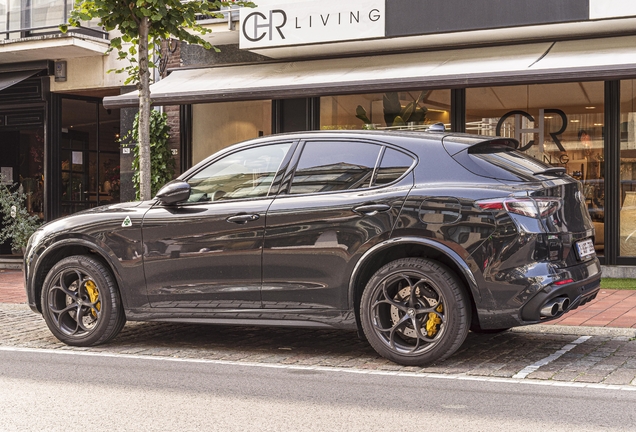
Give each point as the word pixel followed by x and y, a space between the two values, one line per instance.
pixel 325 368
pixel 533 367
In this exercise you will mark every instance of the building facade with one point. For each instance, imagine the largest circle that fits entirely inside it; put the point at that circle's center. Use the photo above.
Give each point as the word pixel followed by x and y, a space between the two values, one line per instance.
pixel 558 76
pixel 59 144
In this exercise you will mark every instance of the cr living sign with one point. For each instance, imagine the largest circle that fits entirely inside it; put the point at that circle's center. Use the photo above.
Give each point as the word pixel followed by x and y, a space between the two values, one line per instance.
pixel 309 22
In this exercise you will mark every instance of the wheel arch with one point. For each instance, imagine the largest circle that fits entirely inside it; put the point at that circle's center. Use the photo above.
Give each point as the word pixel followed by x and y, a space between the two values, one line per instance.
pixel 60 250
pixel 408 247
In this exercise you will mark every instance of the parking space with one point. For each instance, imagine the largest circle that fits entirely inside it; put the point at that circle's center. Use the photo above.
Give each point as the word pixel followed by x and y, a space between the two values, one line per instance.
pixel 603 357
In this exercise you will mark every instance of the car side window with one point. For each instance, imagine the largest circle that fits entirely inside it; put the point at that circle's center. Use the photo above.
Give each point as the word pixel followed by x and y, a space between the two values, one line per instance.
pixel 244 174
pixel 394 164
pixel 326 166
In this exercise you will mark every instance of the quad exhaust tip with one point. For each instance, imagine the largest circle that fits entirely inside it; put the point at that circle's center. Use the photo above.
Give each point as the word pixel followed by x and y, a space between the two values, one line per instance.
pixel 554 306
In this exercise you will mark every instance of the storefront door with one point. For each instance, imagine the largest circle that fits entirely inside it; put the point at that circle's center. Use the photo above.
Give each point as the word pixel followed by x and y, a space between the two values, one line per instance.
pixel 88 155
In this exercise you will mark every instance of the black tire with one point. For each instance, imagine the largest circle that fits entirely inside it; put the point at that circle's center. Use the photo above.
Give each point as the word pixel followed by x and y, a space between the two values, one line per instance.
pixel 81 303
pixel 393 314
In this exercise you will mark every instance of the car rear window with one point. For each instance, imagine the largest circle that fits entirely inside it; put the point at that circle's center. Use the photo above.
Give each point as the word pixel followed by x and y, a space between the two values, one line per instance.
pixel 500 162
pixel 394 164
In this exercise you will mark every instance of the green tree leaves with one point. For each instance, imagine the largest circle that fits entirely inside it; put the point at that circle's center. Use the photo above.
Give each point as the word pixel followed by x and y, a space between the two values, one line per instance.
pixel 167 19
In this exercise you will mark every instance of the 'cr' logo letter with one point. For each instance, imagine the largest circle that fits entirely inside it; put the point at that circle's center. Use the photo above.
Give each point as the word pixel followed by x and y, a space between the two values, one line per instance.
pixel 537 130
pixel 254 35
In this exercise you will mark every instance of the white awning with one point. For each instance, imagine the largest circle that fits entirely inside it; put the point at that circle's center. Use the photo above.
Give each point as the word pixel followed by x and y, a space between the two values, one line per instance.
pixel 608 58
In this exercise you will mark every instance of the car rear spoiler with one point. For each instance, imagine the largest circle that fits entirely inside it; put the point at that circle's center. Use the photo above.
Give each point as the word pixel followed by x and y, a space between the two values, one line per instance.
pixel 494 145
pixel 478 144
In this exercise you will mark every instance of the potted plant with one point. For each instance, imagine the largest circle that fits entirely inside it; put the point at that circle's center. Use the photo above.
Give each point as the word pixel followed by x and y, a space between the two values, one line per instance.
pixel 17 223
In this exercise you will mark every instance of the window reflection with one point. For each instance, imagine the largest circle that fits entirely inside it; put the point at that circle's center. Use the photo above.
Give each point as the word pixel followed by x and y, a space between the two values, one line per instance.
pixel 394 164
pixel 244 174
pixel 334 166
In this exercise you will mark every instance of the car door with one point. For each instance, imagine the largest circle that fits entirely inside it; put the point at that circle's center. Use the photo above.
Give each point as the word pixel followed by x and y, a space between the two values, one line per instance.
pixel 333 209
pixel 206 252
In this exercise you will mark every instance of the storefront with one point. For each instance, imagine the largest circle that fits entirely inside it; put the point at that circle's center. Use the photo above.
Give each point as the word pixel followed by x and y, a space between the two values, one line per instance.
pixel 58 144
pixel 557 76
pixel 61 150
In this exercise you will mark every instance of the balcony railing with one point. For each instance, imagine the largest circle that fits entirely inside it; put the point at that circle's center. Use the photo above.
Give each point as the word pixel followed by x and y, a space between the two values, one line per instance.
pixel 27 18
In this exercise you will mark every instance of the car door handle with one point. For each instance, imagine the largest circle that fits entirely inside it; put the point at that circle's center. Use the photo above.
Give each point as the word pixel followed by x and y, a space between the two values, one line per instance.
pixel 244 218
pixel 371 209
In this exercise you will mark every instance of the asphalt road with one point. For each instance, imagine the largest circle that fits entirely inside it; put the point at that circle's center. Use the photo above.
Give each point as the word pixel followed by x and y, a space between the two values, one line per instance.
pixel 72 391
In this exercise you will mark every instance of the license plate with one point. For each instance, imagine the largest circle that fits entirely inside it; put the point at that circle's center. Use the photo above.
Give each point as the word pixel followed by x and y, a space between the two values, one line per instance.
pixel 585 248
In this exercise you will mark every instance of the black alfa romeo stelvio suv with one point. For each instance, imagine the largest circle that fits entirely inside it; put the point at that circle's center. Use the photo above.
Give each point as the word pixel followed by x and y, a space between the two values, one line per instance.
pixel 410 238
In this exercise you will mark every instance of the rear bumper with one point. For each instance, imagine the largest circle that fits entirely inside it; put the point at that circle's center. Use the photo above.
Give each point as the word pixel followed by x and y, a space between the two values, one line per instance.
pixel 578 293
pixel 520 300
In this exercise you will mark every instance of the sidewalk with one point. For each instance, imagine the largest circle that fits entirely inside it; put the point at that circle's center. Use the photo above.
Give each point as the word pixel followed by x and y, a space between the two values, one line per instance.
pixel 12 286
pixel 611 308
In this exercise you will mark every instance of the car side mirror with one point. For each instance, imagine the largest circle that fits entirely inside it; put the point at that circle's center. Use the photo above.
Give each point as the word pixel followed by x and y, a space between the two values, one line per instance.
pixel 174 192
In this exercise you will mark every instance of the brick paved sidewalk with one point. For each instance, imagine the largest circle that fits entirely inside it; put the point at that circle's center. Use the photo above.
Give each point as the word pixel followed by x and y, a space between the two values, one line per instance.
pixel 12 286
pixel 611 308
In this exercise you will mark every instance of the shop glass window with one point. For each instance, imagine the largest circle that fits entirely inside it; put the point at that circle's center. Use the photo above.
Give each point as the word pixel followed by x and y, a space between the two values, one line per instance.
pixel 326 166
pixel 244 174
pixel 408 109
pixel 221 124
pixel 22 163
pixel 559 124
pixel 628 169
pixel 48 13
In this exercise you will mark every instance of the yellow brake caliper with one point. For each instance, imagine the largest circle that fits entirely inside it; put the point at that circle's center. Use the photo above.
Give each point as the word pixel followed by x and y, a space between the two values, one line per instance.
pixel 93 293
pixel 433 321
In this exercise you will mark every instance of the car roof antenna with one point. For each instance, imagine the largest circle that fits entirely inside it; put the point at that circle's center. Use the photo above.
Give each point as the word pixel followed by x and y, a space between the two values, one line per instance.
pixel 437 127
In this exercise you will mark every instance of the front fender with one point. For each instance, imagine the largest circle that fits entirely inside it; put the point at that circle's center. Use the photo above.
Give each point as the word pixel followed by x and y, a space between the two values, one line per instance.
pixel 127 268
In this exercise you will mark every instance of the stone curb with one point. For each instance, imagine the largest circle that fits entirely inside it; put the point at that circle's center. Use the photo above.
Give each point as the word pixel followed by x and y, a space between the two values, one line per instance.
pixel 15 306
pixel 576 330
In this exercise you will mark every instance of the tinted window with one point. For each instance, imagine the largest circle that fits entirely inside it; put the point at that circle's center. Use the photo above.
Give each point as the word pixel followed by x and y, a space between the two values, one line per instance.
pixel 510 159
pixel 244 174
pixel 334 165
pixel 500 162
pixel 393 165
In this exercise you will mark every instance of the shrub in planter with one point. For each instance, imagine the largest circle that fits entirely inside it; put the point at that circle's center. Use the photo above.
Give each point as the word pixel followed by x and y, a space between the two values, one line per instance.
pixel 17 223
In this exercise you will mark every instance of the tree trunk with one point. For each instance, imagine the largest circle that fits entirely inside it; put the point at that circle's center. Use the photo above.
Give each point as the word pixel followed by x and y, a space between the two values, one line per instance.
pixel 145 192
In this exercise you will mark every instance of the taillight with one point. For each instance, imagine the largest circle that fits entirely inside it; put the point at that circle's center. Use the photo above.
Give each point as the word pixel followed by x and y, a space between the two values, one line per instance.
pixel 531 207
pixel 564 282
